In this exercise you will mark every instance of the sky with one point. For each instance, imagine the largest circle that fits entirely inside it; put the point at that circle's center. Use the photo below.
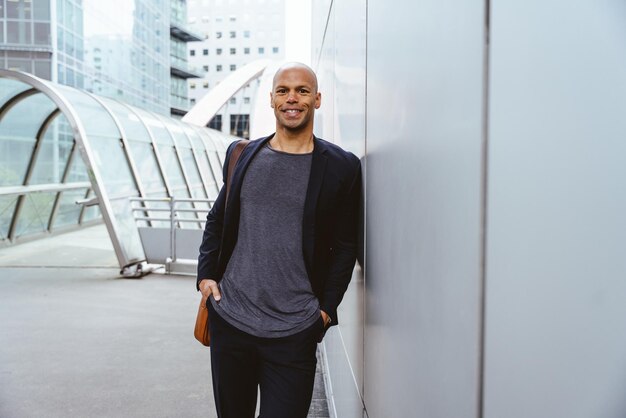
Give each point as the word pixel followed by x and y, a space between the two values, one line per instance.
pixel 298 31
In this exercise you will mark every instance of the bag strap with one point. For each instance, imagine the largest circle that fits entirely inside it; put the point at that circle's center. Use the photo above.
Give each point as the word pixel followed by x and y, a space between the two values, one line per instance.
pixel 232 162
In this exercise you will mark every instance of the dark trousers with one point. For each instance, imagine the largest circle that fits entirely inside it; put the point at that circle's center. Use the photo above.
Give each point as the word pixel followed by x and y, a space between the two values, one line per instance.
pixel 283 368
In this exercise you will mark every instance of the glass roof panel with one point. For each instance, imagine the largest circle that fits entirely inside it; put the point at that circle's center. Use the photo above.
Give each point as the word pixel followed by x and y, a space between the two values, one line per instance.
pixel 189 162
pixel 7 208
pixel 205 137
pixel 196 141
pixel 112 165
pixel 55 150
pixel 147 167
pixel 11 88
pixel 205 169
pixel 156 127
pixel 133 127
pixel 128 235
pixel 216 166
pixel 68 211
pixel 18 131
pixel 96 120
pixel 172 168
pixel 91 212
pixel 35 213
pixel 78 171
pixel 173 126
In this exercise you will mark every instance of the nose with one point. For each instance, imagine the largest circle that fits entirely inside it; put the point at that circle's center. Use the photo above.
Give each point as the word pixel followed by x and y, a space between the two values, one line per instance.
pixel 291 98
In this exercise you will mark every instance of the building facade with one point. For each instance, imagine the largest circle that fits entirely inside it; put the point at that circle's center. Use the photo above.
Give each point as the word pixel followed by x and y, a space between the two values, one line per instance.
pixel 26 41
pixel 180 71
pixel 236 32
pixel 131 51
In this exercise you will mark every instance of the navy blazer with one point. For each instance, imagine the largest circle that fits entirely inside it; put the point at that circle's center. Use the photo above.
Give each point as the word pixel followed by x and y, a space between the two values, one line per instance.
pixel 329 223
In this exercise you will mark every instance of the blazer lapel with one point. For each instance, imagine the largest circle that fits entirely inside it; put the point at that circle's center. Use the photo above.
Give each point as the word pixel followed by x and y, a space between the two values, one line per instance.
pixel 318 168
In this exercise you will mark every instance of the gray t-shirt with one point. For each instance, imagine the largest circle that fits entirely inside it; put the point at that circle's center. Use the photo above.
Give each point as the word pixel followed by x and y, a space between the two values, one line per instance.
pixel 265 289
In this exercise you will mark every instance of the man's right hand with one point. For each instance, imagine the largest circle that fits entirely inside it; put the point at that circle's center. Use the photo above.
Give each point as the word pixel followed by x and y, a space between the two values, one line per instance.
pixel 209 287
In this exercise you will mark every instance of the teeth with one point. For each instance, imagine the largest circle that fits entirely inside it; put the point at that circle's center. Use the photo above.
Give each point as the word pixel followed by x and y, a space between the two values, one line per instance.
pixel 292 111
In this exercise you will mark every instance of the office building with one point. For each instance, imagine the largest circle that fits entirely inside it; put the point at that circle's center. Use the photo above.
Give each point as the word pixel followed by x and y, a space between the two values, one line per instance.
pixel 131 51
pixel 236 32
pixel 180 70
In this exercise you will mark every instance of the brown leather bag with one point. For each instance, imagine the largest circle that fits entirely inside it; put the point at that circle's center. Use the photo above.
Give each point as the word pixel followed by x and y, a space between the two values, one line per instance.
pixel 202 332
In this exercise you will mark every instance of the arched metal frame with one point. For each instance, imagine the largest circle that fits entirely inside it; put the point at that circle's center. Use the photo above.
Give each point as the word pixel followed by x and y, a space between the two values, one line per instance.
pixel 66 100
pixel 262 121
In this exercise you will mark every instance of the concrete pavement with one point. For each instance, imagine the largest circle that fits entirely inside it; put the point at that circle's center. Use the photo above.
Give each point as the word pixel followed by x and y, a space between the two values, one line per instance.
pixel 79 341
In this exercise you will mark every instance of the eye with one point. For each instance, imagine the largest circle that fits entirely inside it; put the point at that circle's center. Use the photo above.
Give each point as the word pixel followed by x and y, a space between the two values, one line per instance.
pixel 281 91
pixel 304 91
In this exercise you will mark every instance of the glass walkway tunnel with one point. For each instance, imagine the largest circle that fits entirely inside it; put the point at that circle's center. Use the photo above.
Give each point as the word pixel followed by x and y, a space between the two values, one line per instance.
pixel 60 146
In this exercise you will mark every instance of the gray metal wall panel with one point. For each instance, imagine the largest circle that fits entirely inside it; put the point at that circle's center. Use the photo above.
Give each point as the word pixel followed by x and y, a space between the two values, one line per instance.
pixel 556 229
pixel 341 119
pixel 424 112
pixel 344 353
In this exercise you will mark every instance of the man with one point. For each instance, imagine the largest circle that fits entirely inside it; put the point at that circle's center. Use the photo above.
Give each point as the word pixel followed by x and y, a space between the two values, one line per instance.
pixel 277 257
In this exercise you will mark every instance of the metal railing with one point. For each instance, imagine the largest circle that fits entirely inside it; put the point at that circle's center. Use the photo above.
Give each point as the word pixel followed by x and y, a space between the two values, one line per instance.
pixel 174 220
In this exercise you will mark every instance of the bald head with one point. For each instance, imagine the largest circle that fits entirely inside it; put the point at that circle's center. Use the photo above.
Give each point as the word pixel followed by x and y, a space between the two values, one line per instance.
pixel 295 66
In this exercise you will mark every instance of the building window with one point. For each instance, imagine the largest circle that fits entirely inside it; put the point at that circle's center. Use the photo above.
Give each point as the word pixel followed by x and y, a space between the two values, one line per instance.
pixel 233 51
pixel 246 100
pixel 192 101
pixel 219 19
pixel 233 34
pixel 246 51
pixel 205 85
pixel 218 35
pixel 246 33
pixel 205 19
pixel 218 68
pixel 275 50
pixel 233 18
pixel 192 52
pixel 261 50
pixel 192 85
pixel 216 122
pixel 206 51
pixel 240 126
pixel 233 67
pixel 218 51
pixel 205 68
pixel 233 100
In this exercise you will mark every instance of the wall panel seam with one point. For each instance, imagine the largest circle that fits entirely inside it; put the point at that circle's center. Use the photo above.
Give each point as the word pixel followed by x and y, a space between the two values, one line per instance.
pixel 484 202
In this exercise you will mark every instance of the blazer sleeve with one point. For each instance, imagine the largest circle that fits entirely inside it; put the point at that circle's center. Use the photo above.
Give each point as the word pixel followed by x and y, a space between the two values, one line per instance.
pixel 344 246
pixel 212 236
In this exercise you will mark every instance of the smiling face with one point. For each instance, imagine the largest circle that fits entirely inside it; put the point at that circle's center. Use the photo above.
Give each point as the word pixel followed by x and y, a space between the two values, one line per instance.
pixel 294 98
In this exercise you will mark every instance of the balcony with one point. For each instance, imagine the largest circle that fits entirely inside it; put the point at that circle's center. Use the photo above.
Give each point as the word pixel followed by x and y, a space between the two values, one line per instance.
pixel 180 31
pixel 180 68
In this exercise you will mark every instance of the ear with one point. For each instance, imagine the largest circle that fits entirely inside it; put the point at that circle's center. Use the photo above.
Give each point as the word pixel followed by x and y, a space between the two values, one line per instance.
pixel 318 100
pixel 271 100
